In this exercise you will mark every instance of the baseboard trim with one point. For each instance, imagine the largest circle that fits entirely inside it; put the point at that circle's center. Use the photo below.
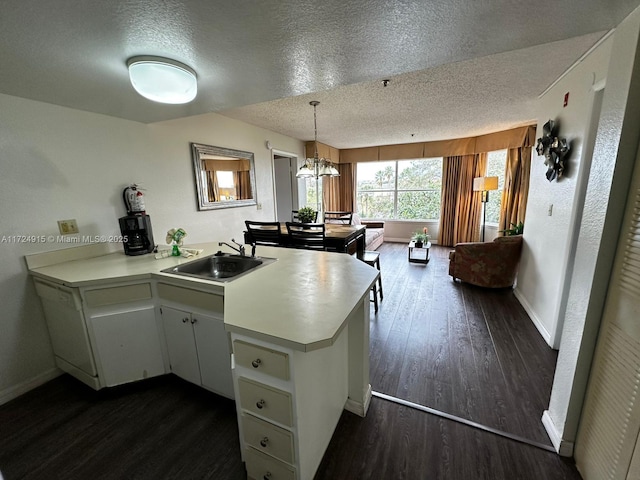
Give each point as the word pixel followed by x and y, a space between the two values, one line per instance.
pixel 534 318
pixel 564 448
pixel 404 240
pixel 15 391
pixel 359 408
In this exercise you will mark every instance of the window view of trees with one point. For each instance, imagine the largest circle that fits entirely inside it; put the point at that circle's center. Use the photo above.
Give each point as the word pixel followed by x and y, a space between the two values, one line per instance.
pixel 403 189
pixel 311 200
pixel 496 162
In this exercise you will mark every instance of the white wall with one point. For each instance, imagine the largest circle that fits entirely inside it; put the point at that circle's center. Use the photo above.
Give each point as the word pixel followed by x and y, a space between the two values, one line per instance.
pixel 59 163
pixel 547 239
pixel 402 231
pixel 614 157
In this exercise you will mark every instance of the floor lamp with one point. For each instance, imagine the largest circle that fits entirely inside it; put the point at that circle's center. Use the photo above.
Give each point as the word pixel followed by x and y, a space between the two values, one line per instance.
pixel 484 184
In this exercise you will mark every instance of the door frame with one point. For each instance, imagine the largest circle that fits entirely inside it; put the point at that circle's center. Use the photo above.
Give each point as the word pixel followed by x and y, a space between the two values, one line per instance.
pixel 294 183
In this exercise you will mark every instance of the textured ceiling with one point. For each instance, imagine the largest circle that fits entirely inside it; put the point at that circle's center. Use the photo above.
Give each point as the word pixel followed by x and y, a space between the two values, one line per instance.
pixel 73 53
pixel 455 100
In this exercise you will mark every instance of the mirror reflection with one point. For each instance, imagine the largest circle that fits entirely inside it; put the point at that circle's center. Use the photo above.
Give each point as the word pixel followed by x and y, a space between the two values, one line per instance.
pixel 224 177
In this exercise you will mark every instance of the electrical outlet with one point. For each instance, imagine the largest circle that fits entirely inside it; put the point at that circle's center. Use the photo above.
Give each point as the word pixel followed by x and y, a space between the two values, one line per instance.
pixel 258 206
pixel 550 211
pixel 68 227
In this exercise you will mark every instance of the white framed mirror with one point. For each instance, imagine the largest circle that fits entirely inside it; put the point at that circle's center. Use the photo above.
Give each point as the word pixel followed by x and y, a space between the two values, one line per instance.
pixel 224 177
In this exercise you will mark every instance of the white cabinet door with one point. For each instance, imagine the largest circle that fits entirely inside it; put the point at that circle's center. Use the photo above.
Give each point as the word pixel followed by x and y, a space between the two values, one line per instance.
pixel 214 355
pixel 127 346
pixel 181 344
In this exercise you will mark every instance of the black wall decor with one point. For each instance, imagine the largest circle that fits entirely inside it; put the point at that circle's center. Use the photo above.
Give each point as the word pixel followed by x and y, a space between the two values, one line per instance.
pixel 554 149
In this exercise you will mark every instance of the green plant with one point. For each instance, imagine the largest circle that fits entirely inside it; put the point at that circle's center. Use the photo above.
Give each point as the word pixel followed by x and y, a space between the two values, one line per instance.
pixel 516 230
pixel 307 215
pixel 421 237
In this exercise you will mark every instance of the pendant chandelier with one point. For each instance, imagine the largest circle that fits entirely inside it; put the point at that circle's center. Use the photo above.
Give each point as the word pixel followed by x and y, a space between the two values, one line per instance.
pixel 316 166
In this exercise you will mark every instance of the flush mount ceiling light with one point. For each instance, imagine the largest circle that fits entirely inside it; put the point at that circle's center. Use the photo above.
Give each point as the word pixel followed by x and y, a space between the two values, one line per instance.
pixel 162 80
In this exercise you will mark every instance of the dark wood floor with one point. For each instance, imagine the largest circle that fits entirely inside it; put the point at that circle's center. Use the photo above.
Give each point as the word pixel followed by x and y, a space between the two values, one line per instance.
pixel 162 428
pixel 468 351
pixel 165 428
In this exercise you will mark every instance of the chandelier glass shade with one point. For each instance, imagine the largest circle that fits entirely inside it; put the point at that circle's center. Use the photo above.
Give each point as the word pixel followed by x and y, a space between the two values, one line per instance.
pixel 316 166
pixel 162 80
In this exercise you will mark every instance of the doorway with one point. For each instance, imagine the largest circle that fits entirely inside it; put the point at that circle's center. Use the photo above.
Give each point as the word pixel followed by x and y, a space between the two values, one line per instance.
pixel 285 184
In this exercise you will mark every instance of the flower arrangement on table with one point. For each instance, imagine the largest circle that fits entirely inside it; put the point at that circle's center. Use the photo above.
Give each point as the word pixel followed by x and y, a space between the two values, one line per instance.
pixel 421 237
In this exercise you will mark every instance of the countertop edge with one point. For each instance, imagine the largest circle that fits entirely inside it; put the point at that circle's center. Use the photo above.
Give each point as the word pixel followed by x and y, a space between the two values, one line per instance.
pixel 323 340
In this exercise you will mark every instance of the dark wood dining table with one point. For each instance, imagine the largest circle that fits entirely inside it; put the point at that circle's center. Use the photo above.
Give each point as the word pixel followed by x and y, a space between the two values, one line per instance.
pixel 341 238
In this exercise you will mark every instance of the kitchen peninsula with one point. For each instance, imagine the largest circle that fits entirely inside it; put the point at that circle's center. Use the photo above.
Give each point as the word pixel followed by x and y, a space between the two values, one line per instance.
pixel 298 330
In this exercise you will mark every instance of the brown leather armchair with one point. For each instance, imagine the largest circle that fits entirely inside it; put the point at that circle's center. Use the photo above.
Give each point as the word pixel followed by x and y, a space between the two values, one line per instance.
pixel 491 264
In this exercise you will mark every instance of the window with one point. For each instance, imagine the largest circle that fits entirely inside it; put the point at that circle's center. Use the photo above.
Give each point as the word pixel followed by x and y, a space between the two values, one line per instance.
pixel 496 163
pixel 403 189
pixel 226 185
pixel 311 199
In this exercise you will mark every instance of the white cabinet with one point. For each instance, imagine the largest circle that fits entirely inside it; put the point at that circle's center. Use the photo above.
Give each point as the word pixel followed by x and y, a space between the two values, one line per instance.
pixel 127 345
pixel 288 403
pixel 178 331
pixel 198 349
pixel 214 354
pixel 103 335
pixel 124 332
pixel 68 331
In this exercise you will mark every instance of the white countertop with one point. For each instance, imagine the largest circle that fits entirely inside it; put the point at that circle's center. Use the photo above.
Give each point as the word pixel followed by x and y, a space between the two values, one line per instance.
pixel 301 301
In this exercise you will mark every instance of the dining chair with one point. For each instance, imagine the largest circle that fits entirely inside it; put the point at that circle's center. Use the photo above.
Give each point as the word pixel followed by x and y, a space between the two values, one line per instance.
pixel 264 233
pixel 306 235
pixel 340 218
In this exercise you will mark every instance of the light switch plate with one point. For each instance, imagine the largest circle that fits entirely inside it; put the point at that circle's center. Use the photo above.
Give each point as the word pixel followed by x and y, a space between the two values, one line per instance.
pixel 68 227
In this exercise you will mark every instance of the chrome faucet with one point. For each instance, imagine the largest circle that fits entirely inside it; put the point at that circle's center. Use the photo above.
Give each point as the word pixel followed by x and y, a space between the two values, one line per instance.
pixel 239 249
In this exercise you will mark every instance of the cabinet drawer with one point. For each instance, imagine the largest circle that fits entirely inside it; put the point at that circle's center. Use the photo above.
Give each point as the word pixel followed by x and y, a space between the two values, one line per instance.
pixel 262 359
pixel 261 466
pixel 266 401
pixel 116 295
pixel 211 302
pixel 268 438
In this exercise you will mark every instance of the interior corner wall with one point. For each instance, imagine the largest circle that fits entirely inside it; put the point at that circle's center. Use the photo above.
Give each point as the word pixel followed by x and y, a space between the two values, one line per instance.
pixel 547 238
pixel 60 163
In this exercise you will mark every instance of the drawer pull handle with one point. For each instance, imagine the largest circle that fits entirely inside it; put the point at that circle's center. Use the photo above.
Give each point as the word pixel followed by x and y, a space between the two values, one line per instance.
pixel 256 363
pixel 264 441
pixel 260 403
pixel 267 476
pixel 185 320
pixel 194 320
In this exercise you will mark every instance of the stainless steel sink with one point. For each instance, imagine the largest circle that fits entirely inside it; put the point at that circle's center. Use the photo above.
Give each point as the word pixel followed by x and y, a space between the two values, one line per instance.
pixel 222 267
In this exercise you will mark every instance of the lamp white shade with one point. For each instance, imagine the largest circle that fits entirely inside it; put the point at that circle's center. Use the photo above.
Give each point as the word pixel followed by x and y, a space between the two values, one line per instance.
pixel 483 184
pixel 162 80
pixel 324 170
pixel 305 171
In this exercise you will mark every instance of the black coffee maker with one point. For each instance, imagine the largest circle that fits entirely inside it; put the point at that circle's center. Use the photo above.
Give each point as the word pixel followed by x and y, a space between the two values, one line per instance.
pixel 137 234
pixel 136 226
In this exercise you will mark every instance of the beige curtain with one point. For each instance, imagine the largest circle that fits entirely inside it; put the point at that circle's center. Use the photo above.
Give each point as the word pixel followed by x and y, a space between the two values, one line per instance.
pixel 242 182
pixel 338 192
pixel 212 190
pixel 461 207
pixel 516 187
